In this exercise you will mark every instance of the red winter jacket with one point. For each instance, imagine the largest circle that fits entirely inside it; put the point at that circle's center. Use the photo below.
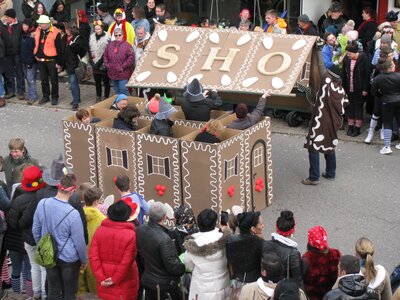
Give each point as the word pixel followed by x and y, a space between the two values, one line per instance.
pixel 112 254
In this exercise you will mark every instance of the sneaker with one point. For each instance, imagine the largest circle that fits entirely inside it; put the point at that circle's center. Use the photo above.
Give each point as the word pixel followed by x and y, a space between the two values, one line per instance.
pixel 9 95
pixel 369 137
pixel 43 101
pixel 327 177
pixel 75 107
pixel 54 101
pixel 308 181
pixel 397 146
pixel 386 150
pixel 382 135
pixel 21 97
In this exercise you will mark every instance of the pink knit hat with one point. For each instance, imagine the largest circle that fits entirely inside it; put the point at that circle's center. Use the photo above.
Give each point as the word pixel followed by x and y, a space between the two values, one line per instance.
pixel 352 35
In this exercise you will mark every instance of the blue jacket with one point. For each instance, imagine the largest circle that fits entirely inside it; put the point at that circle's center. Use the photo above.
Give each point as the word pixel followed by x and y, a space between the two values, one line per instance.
pixel 26 50
pixel 327 55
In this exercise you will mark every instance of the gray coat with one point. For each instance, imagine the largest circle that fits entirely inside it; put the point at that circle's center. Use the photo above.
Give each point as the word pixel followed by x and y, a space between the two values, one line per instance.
pixel 252 118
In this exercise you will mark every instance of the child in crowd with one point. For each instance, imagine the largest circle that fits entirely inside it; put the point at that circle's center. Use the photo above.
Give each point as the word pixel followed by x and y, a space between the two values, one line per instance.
pixel 14 163
pixel 93 218
pixel 83 116
pixel 211 132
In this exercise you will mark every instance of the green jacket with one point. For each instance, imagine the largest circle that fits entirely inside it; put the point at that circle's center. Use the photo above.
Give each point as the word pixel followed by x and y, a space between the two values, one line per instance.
pixel 13 168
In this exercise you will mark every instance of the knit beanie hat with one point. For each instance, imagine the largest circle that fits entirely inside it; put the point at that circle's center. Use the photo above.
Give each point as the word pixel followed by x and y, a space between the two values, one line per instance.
pixel 318 238
pixel 335 7
pixel 11 13
pixel 165 110
pixel 352 35
pixel 120 97
pixel 386 38
pixel 348 26
pixel 304 18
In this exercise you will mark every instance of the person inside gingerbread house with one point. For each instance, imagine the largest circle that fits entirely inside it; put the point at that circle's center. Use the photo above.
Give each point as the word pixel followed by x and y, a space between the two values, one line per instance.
pixel 211 132
pixel 161 124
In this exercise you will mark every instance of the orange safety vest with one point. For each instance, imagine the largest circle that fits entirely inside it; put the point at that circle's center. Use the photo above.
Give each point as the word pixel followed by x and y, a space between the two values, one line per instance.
pixel 49 48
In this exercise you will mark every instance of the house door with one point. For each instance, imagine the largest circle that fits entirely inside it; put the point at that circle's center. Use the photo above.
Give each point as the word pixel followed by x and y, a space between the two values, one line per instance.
pixel 258 171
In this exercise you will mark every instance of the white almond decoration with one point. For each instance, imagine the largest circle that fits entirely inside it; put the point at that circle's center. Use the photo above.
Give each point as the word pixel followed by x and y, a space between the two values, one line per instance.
pixel 192 36
pixel 319 138
pixel 277 83
pixel 249 82
pixel 299 44
pixel 243 39
pixel 162 35
pixel 171 77
pixel 197 76
pixel 226 80
pixel 268 42
pixel 143 76
pixel 214 38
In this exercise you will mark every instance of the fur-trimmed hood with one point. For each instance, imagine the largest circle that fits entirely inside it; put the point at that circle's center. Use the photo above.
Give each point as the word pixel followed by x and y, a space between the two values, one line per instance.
pixel 98 46
pixel 197 244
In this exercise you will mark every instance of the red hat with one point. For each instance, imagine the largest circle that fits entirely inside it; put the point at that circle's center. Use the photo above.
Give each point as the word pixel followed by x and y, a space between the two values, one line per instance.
pixel 32 179
pixel 134 207
pixel 318 238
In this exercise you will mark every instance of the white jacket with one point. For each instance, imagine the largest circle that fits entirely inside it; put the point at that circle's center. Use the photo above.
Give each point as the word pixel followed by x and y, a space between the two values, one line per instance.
pixel 205 257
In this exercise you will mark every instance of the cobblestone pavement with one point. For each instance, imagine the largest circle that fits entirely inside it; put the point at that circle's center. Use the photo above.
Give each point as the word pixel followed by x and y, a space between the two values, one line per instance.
pixel 88 98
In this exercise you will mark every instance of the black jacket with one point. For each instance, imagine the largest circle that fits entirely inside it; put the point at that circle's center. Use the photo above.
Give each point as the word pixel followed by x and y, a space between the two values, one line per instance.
pixel 121 124
pixel 161 263
pixel 84 31
pixel 366 34
pixel 27 48
pixel 17 208
pixel 27 10
pixel 361 76
pixel 12 41
pixel 387 87
pixel 61 17
pixel 13 240
pixel 161 127
pixel 200 110
pixel 207 137
pixel 312 30
pixel 73 52
pixel 290 256
pixel 2 56
pixel 352 286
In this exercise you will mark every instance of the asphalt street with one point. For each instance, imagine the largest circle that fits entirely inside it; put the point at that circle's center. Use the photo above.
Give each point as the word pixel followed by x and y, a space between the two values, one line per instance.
pixel 362 201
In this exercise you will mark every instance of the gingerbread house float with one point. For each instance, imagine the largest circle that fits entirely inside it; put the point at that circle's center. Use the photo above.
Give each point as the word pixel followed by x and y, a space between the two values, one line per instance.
pixel 179 170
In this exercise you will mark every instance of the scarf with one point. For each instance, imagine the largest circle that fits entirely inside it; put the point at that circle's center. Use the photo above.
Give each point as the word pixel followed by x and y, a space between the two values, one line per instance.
pixel 363 24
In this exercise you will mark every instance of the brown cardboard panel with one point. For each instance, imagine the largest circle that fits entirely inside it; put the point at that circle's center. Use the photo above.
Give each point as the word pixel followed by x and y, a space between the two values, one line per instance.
pixel 227 119
pixel 101 113
pixel 258 166
pixel 106 104
pixel 255 68
pixel 115 156
pixel 80 150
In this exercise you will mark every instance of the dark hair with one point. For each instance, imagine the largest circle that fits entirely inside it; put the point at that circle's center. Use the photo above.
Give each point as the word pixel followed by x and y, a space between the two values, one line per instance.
pixel 35 14
pixel 212 23
pixel 246 220
pixel 202 20
pixel 384 64
pixel 370 11
pixel 241 111
pixel 287 289
pixel 350 264
pixel 68 181
pixel 128 114
pixel 352 46
pixel 91 195
pixel 139 12
pixel 272 264
pixel 71 26
pixel 55 6
pixel 122 183
pixel 285 222
pixel 81 113
pixel 207 220
pixel 327 34
pixel 161 6
pixel 224 218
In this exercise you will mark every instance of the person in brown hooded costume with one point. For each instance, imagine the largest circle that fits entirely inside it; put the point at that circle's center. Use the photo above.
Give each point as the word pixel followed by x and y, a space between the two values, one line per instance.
pixel 326 120
pixel 198 103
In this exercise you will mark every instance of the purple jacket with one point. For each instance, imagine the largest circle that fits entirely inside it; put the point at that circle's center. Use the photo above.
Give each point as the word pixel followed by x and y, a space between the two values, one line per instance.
pixel 119 60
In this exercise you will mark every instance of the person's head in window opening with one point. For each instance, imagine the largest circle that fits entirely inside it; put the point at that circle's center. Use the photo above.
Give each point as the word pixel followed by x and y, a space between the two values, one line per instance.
pixel 271 17
pixel 160 10
pixel 245 15
pixel 204 22
pixel 244 26
pixel 151 4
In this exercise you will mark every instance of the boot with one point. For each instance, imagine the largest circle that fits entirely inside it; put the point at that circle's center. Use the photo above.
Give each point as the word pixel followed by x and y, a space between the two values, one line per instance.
pixel 370 136
pixel 356 131
pixel 350 130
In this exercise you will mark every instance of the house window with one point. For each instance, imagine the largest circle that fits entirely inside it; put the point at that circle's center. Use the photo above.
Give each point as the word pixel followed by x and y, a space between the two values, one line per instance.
pixel 117 158
pixel 158 165
pixel 258 156
pixel 231 168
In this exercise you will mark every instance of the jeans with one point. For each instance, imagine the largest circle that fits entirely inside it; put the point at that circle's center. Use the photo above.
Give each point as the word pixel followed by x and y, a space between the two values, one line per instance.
pixel 120 87
pixel 2 91
pixel 20 261
pixel 330 160
pixel 38 273
pixel 30 77
pixel 74 86
pixel 62 280
pixel 98 78
pixel 48 69
pixel 15 73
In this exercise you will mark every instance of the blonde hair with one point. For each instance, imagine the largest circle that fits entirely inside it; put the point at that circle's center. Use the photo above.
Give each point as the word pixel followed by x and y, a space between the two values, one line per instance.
pixel 16 144
pixel 214 127
pixel 365 249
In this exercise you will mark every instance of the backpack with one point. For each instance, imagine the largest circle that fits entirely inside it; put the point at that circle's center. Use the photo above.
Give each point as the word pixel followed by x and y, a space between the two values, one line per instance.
pixel 46 254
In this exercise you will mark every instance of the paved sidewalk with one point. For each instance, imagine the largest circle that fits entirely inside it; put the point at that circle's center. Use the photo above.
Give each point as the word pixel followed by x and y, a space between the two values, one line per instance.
pixel 88 98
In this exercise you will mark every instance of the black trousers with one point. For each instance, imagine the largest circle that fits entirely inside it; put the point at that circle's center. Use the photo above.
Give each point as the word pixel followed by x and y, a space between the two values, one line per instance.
pixel 170 293
pixel 62 280
pixel 355 108
pixel 390 111
pixel 98 79
pixel 48 69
